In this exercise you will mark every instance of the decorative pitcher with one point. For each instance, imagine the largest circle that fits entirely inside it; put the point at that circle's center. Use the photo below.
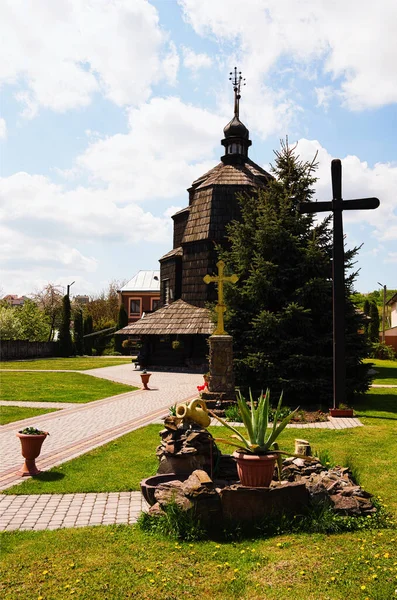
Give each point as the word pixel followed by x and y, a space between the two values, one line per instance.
pixel 196 411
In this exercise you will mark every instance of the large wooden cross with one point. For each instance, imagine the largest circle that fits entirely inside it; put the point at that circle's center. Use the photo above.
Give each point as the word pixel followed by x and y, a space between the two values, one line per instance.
pixel 337 205
pixel 220 307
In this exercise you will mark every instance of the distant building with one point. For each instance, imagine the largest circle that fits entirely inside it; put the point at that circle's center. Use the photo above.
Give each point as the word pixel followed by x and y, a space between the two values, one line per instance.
pixel 391 334
pixel 141 294
pixel 82 300
pixel 14 300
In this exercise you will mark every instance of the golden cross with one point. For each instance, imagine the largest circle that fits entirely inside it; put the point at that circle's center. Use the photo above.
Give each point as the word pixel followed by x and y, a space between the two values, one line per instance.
pixel 220 307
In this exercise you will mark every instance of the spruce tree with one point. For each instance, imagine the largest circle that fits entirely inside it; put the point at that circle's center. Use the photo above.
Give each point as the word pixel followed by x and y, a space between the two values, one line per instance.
pixel 122 321
pixel 280 311
pixel 88 328
pixel 373 327
pixel 78 332
pixel 65 339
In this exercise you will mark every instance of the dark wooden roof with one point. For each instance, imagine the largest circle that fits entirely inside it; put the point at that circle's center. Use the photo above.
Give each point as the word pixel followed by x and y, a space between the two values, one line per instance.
pixel 248 173
pixel 171 253
pixel 176 318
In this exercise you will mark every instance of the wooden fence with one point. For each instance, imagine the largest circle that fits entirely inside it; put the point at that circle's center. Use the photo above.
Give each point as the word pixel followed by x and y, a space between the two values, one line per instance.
pixel 16 349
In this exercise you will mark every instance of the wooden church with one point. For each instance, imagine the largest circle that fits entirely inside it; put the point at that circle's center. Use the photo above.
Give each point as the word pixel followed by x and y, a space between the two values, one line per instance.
pixel 176 334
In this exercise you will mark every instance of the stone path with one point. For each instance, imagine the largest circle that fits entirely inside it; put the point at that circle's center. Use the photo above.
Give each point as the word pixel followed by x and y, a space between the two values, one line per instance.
pixel 55 511
pixel 78 428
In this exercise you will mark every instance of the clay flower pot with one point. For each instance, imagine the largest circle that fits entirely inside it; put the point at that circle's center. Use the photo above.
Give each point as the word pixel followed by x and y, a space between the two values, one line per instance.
pixel 145 380
pixel 31 447
pixel 255 470
pixel 341 412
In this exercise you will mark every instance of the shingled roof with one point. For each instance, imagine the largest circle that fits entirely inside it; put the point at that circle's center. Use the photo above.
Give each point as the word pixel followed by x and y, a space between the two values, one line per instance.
pixel 179 317
pixel 248 173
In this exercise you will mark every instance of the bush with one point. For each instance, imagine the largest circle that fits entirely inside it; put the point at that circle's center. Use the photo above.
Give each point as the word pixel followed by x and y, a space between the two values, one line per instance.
pixel 382 351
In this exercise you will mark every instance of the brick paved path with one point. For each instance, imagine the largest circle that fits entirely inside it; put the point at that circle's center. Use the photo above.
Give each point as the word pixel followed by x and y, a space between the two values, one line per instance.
pixel 55 511
pixel 76 430
pixel 79 428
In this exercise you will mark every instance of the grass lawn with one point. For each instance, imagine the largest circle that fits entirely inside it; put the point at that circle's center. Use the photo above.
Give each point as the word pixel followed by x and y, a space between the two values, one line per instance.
pixel 58 387
pixel 77 363
pixel 387 371
pixel 9 414
pixel 119 562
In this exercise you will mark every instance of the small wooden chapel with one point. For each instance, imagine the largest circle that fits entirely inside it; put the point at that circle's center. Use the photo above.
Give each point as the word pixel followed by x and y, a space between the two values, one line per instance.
pixel 176 333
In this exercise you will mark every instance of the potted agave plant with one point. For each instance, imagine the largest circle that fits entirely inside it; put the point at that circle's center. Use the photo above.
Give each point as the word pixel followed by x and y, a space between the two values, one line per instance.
pixel 31 442
pixel 257 454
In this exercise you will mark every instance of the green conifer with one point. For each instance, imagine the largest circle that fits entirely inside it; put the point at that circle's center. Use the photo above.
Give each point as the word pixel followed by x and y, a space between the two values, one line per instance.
pixel 280 311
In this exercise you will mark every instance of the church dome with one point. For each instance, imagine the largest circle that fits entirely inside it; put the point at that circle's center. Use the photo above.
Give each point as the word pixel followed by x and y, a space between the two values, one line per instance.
pixel 235 128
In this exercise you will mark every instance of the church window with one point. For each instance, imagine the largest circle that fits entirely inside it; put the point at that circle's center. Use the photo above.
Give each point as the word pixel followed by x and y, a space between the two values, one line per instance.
pixel 166 291
pixel 135 306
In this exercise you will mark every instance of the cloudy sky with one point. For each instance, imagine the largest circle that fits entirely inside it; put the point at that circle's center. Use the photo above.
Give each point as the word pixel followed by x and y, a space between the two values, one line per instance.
pixel 111 108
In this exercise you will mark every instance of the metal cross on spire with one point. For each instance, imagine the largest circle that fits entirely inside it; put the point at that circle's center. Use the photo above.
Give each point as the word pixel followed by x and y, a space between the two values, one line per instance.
pixel 237 81
pixel 220 307
pixel 337 205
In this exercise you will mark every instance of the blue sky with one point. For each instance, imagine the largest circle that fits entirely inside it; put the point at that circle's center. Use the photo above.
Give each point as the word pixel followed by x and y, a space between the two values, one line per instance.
pixel 109 110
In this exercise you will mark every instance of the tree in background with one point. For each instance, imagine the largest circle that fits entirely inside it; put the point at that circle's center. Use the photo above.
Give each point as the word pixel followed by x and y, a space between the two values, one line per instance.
pixel 280 311
pixel 35 323
pixel 88 328
pixel 122 321
pixel 373 327
pixel 105 307
pixel 65 339
pixel 26 322
pixel 78 332
pixel 10 325
pixel 49 300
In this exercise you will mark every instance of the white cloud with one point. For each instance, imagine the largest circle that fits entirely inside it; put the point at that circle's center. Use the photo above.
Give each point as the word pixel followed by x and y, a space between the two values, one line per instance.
pixel 3 129
pixel 49 225
pixel 169 144
pixel 171 64
pixel 359 180
pixel 194 61
pixel 354 41
pixel 62 53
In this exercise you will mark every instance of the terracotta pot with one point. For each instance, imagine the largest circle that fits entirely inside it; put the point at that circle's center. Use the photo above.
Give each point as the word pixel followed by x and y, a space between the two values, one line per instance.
pixel 341 412
pixel 31 447
pixel 255 470
pixel 145 380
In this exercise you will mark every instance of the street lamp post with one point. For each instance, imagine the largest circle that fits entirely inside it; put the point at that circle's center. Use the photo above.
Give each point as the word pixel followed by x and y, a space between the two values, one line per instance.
pixel 69 286
pixel 383 312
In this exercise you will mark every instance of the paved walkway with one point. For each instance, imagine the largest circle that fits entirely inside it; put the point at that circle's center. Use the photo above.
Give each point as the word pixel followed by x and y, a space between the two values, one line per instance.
pixel 81 428
pixel 55 511
pixel 78 428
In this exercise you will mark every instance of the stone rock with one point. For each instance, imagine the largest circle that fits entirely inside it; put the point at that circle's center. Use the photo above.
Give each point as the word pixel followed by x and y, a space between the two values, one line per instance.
pixel 172 492
pixel 299 462
pixel 345 504
pixel 198 484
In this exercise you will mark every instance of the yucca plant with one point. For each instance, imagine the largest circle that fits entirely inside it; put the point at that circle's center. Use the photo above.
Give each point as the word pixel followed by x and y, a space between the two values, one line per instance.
pixel 256 421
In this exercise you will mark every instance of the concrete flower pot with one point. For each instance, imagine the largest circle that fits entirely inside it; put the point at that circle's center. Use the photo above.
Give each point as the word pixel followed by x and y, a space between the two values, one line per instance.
pixel 255 470
pixel 31 447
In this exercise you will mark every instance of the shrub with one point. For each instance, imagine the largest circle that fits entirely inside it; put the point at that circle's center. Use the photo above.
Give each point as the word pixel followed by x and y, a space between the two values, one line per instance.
pixel 382 351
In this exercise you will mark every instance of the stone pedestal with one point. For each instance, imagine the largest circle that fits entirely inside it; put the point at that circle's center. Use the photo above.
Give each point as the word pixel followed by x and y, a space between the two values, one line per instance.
pixel 221 378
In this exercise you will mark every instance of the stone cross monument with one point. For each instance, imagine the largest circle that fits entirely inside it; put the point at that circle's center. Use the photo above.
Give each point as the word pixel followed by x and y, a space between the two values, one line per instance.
pixel 337 205
pixel 221 379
